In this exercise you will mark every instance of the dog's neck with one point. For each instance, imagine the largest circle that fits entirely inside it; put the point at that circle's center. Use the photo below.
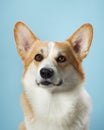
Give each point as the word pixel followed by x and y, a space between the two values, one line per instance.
pixel 44 101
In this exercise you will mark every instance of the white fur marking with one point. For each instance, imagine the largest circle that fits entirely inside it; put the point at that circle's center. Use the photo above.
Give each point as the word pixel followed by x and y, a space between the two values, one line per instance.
pixel 51 47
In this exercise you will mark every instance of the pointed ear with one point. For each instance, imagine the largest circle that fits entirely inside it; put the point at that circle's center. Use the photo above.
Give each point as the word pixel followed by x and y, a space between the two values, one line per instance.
pixel 24 38
pixel 81 40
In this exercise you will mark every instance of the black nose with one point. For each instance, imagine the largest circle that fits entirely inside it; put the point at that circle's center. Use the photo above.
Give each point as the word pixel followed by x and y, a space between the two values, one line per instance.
pixel 46 73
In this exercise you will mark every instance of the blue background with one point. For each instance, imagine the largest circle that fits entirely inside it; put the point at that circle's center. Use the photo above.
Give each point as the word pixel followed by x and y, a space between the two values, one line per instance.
pixel 53 20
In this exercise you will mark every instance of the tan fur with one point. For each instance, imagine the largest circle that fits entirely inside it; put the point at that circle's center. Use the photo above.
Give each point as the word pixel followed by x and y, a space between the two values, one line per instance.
pixel 26 107
pixel 22 127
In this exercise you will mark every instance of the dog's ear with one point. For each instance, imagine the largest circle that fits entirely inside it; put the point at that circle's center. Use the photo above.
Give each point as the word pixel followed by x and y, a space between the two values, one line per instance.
pixel 81 40
pixel 24 39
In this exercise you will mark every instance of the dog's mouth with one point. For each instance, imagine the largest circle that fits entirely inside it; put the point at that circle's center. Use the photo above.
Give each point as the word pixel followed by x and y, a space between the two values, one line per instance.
pixel 49 83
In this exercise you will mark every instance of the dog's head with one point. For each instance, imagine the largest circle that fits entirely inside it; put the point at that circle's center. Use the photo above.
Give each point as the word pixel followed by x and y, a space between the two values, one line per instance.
pixel 53 64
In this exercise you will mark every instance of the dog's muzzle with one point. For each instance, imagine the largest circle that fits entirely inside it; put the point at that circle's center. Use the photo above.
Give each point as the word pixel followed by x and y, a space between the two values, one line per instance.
pixel 47 75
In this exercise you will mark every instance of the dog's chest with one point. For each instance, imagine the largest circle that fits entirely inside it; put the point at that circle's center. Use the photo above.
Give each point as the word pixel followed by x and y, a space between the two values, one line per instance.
pixel 52 112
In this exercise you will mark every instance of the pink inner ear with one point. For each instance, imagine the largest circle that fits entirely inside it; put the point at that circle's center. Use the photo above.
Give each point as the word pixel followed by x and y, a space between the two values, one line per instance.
pixel 77 46
pixel 27 45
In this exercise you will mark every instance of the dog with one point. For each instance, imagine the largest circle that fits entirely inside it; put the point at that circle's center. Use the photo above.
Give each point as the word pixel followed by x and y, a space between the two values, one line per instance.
pixel 54 97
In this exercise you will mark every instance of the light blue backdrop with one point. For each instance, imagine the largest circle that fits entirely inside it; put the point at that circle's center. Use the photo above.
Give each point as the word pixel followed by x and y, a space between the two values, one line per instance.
pixel 53 20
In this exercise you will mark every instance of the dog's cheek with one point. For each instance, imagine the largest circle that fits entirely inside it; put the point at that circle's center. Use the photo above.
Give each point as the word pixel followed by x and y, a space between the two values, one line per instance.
pixel 71 77
pixel 29 75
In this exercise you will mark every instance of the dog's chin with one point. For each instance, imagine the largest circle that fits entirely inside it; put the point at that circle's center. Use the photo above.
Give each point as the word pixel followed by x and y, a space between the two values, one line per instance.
pixel 49 84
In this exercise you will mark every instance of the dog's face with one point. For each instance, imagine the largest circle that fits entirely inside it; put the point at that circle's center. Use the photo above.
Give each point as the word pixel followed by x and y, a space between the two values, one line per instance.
pixel 52 65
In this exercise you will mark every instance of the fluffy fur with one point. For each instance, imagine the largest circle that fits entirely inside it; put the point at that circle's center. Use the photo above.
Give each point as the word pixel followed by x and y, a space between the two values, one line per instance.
pixel 63 104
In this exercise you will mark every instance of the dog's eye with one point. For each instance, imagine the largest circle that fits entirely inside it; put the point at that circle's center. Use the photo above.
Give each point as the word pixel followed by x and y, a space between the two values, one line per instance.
pixel 61 59
pixel 38 57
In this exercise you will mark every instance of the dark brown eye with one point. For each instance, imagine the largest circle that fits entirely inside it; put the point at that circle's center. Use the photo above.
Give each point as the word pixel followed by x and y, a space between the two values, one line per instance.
pixel 38 57
pixel 61 59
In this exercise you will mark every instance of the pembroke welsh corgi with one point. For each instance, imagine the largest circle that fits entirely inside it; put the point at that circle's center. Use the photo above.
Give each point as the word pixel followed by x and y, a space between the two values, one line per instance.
pixel 54 97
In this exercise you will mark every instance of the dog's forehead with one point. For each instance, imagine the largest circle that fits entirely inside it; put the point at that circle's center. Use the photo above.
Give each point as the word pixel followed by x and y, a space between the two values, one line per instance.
pixel 49 48
pixel 53 48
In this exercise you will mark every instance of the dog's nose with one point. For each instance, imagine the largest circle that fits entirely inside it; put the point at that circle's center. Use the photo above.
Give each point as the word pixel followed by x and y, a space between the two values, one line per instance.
pixel 46 73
